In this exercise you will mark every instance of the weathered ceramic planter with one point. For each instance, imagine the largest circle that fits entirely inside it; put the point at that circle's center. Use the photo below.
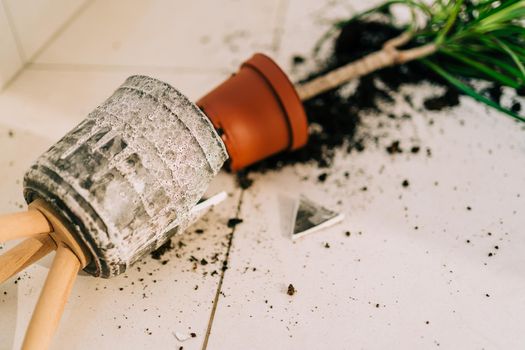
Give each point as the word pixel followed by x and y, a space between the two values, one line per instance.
pixel 125 179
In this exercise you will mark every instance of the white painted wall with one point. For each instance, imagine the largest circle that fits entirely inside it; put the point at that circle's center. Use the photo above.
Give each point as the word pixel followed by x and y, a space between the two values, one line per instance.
pixel 26 26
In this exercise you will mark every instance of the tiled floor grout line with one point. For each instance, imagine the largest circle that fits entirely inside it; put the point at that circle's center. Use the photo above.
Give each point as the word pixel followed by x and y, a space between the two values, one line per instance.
pixel 13 29
pixel 278 32
pixel 28 61
pixel 219 286
pixel 82 67
pixel 276 45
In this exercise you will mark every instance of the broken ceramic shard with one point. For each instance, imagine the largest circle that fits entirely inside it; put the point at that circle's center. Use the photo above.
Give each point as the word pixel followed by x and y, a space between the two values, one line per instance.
pixel 201 208
pixel 128 176
pixel 182 337
pixel 311 217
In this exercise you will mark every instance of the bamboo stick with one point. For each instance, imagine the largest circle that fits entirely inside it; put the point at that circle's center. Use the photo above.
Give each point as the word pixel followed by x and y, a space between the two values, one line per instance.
pixel 24 224
pixel 24 254
pixel 52 300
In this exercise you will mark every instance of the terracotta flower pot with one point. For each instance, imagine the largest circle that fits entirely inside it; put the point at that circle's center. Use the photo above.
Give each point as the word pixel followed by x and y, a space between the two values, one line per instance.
pixel 257 111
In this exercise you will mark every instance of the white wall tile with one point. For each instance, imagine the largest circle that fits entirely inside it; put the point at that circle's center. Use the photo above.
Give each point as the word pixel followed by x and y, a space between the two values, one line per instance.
pixel 10 61
pixel 199 34
pixel 35 21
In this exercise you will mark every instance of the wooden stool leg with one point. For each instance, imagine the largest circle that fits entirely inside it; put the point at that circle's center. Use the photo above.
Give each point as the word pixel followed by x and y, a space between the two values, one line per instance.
pixel 24 254
pixel 52 300
pixel 24 224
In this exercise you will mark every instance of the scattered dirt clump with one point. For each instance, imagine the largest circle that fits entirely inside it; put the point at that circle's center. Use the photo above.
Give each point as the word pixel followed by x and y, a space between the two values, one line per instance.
pixel 163 249
pixel 234 222
pixel 243 180
pixel 291 290
pixel 449 99
pixel 334 118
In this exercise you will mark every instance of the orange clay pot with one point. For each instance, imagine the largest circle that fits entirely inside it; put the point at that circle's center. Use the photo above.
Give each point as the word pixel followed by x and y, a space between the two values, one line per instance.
pixel 257 111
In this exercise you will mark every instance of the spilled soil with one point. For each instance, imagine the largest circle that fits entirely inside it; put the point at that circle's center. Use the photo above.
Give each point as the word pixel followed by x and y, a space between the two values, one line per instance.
pixel 336 118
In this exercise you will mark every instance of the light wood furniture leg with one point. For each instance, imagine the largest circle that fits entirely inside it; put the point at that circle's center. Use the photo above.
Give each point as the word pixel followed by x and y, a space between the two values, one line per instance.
pixel 24 224
pixel 52 300
pixel 24 254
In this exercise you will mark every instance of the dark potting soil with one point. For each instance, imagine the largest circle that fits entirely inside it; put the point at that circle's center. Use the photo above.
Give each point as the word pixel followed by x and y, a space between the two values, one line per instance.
pixel 336 118
pixel 291 290
pixel 234 222
pixel 163 249
pixel 449 99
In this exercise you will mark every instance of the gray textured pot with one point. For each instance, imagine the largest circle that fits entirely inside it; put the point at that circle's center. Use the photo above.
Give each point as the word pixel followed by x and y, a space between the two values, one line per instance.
pixel 126 178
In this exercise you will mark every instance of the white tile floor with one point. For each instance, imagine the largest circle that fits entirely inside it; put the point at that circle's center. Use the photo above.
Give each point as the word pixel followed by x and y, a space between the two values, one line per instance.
pixel 376 289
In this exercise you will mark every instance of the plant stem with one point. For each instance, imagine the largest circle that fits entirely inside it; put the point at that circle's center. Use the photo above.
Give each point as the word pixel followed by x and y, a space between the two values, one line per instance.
pixel 388 56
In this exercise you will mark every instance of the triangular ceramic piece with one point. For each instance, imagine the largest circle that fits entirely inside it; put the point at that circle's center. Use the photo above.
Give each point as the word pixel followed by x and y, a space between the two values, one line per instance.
pixel 311 217
pixel 204 206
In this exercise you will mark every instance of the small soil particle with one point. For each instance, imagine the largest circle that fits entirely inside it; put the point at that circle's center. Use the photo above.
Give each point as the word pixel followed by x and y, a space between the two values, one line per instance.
pixel 322 177
pixel 415 149
pixel 234 222
pixel 163 249
pixel 297 59
pixel 193 335
pixel 405 183
pixel 243 180
pixel 449 99
pixel 11 133
pixel 199 231
pixel 327 245
pixel 347 233
pixel 291 290
pixel 394 148
pixel 494 92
